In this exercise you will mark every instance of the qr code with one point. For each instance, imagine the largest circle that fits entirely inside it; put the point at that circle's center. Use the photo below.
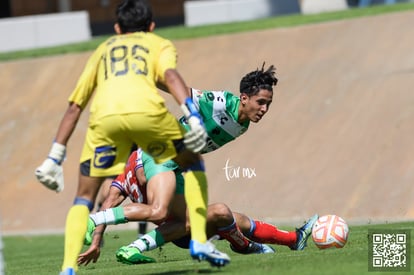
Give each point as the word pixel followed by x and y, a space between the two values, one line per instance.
pixel 389 250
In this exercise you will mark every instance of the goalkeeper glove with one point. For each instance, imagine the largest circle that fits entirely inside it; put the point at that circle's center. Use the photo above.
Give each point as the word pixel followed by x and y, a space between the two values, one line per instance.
pixel 50 173
pixel 196 138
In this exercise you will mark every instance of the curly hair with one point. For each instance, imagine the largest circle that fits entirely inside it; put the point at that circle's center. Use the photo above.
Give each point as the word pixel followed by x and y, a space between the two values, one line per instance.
pixel 256 80
pixel 134 15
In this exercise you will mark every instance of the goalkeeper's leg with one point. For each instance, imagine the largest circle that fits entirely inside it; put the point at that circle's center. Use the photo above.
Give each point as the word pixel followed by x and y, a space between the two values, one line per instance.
pixel 77 220
pixel 195 193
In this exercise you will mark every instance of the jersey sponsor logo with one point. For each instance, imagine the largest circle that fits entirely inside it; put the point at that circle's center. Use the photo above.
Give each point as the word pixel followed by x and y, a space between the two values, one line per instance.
pixel 104 156
pixel 156 148
pixel 224 119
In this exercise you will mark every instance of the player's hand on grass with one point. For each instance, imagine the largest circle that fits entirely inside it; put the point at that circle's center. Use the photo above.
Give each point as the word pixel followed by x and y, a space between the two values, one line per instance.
pixel 196 138
pixel 50 172
pixel 92 254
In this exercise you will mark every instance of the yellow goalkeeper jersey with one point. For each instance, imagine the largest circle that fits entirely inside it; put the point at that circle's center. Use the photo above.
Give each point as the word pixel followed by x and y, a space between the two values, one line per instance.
pixel 122 74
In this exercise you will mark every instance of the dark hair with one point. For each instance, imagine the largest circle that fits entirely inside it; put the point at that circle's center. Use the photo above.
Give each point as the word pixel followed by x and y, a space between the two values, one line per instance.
pixel 254 81
pixel 134 16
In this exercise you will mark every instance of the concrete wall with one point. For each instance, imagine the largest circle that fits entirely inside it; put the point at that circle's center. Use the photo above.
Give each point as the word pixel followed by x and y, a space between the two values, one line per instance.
pixel 205 12
pixel 37 31
pixel 224 11
pixel 319 6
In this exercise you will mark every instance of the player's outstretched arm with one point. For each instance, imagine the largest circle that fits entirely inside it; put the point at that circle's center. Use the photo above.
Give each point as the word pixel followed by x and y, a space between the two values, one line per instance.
pixel 50 172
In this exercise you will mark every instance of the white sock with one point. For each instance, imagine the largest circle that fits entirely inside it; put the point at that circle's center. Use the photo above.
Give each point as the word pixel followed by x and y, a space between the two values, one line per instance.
pixel 103 217
pixel 145 243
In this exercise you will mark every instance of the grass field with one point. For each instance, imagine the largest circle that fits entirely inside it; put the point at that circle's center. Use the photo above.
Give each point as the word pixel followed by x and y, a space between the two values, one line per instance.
pixel 43 255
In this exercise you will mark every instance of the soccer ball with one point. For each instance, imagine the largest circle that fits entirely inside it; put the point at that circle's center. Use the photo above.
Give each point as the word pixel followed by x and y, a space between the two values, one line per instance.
pixel 330 231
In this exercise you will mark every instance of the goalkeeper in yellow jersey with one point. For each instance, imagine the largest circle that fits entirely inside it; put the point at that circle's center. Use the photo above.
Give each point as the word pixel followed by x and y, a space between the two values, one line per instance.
pixel 122 75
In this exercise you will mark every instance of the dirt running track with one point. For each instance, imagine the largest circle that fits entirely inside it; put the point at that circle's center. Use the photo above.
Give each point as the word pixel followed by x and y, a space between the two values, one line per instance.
pixel 338 138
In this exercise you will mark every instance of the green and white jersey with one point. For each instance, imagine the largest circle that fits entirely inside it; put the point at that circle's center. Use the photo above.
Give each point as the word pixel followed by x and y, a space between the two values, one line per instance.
pixel 219 110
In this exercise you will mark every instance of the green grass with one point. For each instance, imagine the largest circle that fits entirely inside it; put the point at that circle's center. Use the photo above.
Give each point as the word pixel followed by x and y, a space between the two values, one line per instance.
pixel 182 32
pixel 43 255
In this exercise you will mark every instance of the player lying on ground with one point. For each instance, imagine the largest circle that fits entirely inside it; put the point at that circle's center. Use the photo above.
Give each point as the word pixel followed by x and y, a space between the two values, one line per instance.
pixel 132 184
pixel 255 235
pixel 255 230
pixel 221 220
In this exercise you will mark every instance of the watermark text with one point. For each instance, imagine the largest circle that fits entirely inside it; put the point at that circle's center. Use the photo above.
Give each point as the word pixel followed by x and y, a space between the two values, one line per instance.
pixel 236 172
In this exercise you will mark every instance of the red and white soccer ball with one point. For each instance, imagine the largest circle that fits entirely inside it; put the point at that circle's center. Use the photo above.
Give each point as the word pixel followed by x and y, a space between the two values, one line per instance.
pixel 330 231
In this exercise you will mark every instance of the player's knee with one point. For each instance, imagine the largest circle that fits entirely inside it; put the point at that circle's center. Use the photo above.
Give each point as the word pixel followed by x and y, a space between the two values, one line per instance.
pixel 83 201
pixel 220 212
pixel 159 214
